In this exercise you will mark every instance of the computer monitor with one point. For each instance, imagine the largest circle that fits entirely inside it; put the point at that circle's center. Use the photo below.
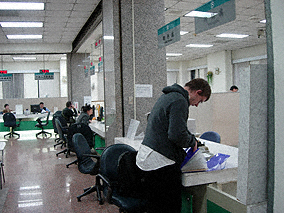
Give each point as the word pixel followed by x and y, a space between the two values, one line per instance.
pixel 35 108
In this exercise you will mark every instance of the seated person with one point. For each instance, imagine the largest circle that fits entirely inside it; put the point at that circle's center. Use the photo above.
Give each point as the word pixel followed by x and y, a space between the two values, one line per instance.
pixel 69 112
pixel 6 109
pixel 84 117
pixel 43 109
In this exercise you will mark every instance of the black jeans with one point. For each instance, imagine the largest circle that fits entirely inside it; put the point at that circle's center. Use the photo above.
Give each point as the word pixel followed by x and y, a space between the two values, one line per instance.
pixel 163 189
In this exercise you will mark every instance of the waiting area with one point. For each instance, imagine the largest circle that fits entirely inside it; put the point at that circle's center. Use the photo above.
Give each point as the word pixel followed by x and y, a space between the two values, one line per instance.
pixel 38 181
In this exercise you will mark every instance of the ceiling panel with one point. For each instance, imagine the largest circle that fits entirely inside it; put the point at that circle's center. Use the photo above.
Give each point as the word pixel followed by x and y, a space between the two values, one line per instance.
pixel 63 19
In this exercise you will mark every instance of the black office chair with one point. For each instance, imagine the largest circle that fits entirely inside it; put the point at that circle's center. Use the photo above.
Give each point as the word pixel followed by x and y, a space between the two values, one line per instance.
pixel 62 132
pixel 10 121
pixel 211 136
pixel 41 125
pixel 110 174
pixel 85 130
pixel 86 165
pixel 64 125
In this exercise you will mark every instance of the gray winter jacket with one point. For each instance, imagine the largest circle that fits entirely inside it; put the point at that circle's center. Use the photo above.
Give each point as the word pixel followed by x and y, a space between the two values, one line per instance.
pixel 166 131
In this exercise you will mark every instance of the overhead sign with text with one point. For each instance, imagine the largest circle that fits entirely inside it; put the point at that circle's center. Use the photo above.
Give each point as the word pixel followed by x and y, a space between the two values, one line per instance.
pixel 169 33
pixel 6 77
pixel 226 12
pixel 44 76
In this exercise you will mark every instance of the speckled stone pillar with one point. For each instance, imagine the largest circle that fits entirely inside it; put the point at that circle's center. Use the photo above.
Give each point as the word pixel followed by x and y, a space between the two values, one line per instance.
pixel 137 60
pixel 252 167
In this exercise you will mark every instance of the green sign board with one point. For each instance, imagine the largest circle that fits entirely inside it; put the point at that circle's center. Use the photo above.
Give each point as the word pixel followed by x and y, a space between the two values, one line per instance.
pixel 169 33
pixel 44 76
pixel 6 77
pixel 226 12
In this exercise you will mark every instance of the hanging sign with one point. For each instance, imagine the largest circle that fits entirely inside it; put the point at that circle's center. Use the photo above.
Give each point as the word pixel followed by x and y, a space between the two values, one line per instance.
pixel 226 12
pixel 169 33
pixel 3 71
pixel 43 71
pixel 44 76
pixel 6 77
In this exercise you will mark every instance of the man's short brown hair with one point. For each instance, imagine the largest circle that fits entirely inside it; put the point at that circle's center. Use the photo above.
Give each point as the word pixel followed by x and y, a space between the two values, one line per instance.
pixel 199 84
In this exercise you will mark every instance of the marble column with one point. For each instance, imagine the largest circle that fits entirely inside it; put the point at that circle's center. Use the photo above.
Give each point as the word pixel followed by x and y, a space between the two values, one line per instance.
pixel 252 167
pixel 137 59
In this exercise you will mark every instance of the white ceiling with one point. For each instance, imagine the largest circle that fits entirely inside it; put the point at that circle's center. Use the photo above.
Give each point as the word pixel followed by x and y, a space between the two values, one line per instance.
pixel 63 19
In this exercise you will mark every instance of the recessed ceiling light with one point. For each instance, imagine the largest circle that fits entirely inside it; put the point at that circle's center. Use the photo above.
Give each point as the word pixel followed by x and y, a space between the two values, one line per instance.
pixel 24 36
pixel 21 24
pixel 199 45
pixel 24 58
pixel 200 14
pixel 21 6
pixel 183 32
pixel 229 35
pixel 263 21
pixel 173 54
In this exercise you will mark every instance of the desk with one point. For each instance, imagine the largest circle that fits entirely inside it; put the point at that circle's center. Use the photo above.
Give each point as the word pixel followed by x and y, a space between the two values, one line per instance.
pixel 196 182
pixel 28 122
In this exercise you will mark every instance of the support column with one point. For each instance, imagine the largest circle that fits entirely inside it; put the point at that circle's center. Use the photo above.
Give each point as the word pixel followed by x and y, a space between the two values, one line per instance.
pixel 137 59
pixel 252 167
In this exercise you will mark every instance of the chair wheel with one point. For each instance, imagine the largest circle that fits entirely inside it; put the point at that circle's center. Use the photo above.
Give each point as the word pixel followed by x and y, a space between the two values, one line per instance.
pixel 78 199
pixel 56 155
pixel 67 166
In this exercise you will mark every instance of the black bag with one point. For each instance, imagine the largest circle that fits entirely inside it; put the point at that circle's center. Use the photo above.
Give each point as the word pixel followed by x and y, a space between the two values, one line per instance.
pixel 130 177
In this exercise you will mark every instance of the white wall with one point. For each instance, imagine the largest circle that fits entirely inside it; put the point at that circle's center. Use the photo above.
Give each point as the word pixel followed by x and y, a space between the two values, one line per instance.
pixel 223 60
pixel 48 88
pixel 63 79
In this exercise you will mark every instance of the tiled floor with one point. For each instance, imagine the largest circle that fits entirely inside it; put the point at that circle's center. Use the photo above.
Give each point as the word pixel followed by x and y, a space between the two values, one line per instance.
pixel 38 181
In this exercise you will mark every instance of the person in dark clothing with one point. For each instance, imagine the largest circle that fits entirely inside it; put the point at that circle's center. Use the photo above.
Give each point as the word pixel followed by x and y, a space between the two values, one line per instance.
pixel 161 152
pixel 69 112
pixel 84 117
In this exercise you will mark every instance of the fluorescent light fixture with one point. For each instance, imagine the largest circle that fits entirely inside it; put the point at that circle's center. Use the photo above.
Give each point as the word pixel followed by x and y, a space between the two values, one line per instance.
pixel 108 37
pixel 24 58
pixel 173 54
pixel 21 24
pixel 199 45
pixel 24 36
pixel 200 14
pixel 263 21
pixel 183 32
pixel 21 6
pixel 229 35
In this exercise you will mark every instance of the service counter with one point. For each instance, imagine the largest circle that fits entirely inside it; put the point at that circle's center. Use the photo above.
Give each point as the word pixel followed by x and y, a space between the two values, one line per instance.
pixel 196 182
pixel 28 122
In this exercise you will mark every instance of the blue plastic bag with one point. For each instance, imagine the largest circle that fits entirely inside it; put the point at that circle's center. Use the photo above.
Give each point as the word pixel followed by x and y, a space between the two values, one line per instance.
pixel 217 162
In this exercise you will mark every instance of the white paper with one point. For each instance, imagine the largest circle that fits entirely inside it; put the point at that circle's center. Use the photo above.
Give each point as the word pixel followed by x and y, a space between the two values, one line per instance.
pixel 19 109
pixel 144 90
pixel 133 126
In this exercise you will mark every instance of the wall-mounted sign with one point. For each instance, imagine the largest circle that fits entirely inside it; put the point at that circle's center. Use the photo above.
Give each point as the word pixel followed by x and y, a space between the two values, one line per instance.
pixel 6 77
pixel 44 71
pixel 92 70
pixel 98 43
pixel 169 33
pixel 3 71
pixel 44 76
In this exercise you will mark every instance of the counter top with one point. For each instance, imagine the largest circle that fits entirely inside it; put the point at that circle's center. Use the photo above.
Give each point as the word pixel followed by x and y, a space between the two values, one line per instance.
pixel 198 178
pixel 98 127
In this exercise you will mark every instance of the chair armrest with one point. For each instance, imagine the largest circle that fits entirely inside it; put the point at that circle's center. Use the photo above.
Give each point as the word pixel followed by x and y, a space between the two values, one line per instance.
pixel 92 156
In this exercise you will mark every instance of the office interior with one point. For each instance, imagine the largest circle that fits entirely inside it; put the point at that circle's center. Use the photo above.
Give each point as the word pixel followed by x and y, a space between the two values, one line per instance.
pixel 108 50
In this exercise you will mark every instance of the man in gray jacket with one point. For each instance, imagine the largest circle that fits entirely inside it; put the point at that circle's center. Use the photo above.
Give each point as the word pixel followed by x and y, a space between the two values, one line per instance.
pixel 161 152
